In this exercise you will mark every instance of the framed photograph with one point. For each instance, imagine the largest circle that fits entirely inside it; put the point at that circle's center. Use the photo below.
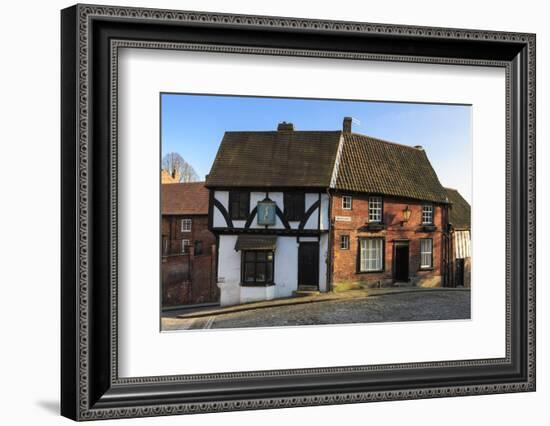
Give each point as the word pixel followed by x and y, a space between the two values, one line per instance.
pixel 263 212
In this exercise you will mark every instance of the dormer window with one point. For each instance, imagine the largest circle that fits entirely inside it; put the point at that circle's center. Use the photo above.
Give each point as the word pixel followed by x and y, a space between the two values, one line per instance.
pixel 239 205
pixel 427 214
pixel 375 209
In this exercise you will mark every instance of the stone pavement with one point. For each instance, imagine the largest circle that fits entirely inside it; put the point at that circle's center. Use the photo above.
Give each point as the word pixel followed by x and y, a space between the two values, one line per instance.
pixel 356 306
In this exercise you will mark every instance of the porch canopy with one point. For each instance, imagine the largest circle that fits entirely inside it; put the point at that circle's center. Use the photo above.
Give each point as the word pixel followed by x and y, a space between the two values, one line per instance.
pixel 256 242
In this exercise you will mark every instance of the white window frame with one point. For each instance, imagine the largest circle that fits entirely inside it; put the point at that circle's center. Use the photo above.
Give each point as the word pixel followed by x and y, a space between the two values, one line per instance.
pixel 426 253
pixel 185 244
pixel 347 199
pixel 186 225
pixel 371 255
pixel 344 242
pixel 375 209
pixel 427 214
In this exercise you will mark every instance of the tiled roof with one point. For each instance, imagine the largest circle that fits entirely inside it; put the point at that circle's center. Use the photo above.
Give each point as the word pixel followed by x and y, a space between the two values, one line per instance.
pixel 184 198
pixel 275 159
pixel 376 166
pixel 460 212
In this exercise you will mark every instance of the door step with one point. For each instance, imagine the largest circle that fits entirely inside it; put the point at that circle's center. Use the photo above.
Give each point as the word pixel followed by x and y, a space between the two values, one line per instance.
pixel 403 284
pixel 306 290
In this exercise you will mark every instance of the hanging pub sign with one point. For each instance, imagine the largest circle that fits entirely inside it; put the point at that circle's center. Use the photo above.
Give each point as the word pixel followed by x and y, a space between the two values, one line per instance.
pixel 266 212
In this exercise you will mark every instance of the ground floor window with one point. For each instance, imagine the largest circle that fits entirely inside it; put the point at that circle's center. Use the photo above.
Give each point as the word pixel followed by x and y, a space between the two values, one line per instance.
pixel 371 254
pixel 185 246
pixel 426 253
pixel 344 242
pixel 198 248
pixel 257 267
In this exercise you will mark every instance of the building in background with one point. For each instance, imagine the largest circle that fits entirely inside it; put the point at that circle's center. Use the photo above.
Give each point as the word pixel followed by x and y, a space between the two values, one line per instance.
pixel 188 265
pixel 460 231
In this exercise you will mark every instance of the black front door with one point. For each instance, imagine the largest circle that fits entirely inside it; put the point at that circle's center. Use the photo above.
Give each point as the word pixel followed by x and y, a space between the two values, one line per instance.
pixel 401 262
pixel 308 264
pixel 459 278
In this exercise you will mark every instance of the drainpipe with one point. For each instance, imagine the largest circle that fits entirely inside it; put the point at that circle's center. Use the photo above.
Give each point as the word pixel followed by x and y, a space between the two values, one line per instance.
pixel 329 242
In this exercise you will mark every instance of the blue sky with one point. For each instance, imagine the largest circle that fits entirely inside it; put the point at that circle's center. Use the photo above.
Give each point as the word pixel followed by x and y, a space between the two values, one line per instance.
pixel 193 126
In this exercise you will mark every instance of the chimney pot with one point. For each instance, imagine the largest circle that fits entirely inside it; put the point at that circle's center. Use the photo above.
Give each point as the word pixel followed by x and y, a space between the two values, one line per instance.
pixel 346 126
pixel 284 126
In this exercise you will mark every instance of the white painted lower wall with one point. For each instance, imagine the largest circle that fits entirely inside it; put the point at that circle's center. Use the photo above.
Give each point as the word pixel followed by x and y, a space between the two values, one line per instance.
pixel 285 271
pixel 255 294
pixel 229 271
pixel 323 262
pixel 286 266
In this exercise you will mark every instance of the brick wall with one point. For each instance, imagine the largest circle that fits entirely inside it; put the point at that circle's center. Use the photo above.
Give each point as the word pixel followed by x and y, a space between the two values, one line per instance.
pixel 345 262
pixel 188 278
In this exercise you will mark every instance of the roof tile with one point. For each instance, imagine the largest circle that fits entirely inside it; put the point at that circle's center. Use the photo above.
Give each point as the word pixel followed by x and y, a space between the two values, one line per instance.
pixel 184 198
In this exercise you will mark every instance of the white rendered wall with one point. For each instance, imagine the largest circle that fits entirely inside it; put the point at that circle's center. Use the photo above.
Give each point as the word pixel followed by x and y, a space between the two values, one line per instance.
pixel 254 294
pixel 323 256
pixel 229 270
pixel 286 266
pixel 218 219
pixel 324 212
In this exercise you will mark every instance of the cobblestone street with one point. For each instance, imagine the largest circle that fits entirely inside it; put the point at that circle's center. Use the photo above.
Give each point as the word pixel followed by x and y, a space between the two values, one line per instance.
pixel 406 306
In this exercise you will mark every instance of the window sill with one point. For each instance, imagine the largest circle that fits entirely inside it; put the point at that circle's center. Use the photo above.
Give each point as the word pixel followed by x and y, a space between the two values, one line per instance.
pixel 369 272
pixel 256 284
pixel 375 226
pixel 428 228
pixel 426 269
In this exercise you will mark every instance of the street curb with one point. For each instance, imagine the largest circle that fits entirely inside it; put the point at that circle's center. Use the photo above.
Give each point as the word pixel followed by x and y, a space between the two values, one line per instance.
pixel 243 308
pixel 252 308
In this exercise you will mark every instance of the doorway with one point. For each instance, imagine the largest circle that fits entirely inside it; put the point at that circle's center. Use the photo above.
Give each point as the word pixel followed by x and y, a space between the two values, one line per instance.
pixel 401 261
pixel 308 264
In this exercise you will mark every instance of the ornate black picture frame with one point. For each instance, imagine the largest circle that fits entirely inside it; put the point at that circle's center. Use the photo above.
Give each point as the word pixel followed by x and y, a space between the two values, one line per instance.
pixel 91 388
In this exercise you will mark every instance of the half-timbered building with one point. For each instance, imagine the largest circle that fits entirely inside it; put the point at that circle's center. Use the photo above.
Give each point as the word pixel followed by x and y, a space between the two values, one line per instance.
pixel 269 210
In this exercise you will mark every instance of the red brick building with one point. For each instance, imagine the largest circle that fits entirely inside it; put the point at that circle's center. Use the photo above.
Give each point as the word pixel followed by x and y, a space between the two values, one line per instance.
pixel 389 216
pixel 188 247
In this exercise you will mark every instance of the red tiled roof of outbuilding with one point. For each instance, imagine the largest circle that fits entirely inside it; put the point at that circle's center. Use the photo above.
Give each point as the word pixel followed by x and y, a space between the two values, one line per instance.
pixel 184 199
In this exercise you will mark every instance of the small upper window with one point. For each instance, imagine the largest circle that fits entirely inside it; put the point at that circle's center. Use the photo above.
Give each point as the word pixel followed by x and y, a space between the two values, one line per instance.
pixel 344 242
pixel 427 214
pixel 186 225
pixel 294 205
pixel 375 209
pixel 346 202
pixel 239 205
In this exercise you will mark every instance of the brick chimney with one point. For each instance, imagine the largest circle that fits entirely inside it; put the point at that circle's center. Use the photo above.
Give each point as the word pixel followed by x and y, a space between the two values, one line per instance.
pixel 346 126
pixel 285 127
